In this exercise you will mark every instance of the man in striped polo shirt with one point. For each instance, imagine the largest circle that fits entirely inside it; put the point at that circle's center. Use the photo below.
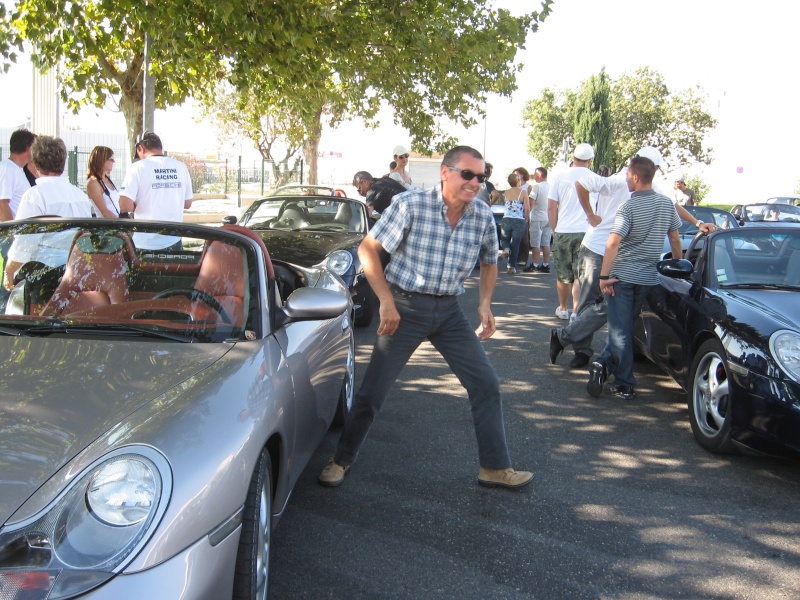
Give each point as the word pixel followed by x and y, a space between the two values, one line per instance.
pixel 629 271
pixel 434 236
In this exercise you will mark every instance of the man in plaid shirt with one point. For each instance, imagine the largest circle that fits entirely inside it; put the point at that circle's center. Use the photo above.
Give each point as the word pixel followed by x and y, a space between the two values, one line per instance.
pixel 434 237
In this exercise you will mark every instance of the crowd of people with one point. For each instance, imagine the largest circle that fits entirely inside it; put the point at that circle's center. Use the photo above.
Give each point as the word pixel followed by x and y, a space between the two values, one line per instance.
pixel 605 232
pixel 32 184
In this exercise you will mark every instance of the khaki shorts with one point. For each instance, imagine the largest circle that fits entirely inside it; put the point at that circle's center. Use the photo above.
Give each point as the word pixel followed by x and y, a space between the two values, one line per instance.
pixel 566 247
pixel 540 233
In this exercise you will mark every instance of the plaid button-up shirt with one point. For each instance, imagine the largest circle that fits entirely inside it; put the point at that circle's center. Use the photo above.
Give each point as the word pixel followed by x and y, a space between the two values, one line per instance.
pixel 428 256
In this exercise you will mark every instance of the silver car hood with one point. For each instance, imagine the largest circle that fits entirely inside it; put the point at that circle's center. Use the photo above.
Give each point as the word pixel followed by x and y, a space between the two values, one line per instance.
pixel 57 396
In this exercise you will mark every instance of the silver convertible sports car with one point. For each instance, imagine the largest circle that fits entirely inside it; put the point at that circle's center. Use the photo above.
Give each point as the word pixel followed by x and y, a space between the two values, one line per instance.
pixel 159 400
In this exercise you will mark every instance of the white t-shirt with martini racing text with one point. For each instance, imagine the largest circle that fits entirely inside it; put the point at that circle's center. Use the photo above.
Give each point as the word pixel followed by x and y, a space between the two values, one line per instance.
pixel 159 185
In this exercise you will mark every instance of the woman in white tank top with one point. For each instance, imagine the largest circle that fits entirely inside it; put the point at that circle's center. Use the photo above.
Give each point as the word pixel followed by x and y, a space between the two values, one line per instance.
pixel 100 189
pixel 515 222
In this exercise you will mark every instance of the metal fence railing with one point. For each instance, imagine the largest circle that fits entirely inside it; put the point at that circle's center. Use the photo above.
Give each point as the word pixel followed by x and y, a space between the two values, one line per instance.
pixel 214 176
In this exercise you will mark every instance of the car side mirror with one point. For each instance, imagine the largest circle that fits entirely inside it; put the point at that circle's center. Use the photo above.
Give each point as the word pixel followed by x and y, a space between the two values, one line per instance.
pixel 229 220
pixel 311 304
pixel 676 268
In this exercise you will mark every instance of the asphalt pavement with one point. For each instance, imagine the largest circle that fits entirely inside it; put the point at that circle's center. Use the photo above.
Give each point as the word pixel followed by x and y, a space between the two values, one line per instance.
pixel 624 504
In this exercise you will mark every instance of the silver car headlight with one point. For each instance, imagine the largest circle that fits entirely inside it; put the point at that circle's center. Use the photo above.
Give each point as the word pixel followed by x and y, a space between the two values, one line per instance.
pixel 339 261
pixel 90 532
pixel 785 348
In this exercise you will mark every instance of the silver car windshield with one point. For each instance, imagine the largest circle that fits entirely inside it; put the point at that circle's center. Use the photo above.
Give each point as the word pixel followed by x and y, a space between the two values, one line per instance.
pixel 189 284
pixel 299 213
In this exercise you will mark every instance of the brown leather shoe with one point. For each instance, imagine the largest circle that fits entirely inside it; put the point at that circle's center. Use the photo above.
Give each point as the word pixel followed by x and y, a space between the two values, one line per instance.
pixel 332 475
pixel 507 478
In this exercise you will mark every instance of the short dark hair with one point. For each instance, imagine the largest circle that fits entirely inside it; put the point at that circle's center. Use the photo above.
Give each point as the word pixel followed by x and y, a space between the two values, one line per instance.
pixel 149 140
pixel 49 154
pixel 541 171
pixel 644 168
pixel 451 158
pixel 20 141
pixel 362 176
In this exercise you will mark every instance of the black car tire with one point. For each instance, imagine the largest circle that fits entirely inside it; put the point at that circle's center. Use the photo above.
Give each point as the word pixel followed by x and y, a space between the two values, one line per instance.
pixel 347 392
pixel 364 319
pixel 251 579
pixel 710 410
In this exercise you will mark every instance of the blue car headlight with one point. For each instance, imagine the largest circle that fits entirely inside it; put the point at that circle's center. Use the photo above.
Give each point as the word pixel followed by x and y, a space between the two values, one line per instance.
pixel 339 261
pixel 785 348
pixel 91 531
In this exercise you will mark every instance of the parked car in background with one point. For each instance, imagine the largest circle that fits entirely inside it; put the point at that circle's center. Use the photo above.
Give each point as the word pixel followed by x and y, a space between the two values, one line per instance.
pixel 793 199
pixel 727 329
pixel 308 231
pixel 772 215
pixel 721 218
pixel 157 407
pixel 301 189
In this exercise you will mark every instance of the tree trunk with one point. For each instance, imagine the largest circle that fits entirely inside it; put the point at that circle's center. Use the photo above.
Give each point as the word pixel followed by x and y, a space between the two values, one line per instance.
pixel 132 106
pixel 311 149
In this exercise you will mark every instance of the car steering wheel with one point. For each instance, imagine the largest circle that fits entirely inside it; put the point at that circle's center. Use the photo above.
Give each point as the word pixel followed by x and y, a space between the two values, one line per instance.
pixel 194 294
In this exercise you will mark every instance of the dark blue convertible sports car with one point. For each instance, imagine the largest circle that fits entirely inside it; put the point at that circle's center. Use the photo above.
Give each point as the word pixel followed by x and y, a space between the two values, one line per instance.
pixel 727 328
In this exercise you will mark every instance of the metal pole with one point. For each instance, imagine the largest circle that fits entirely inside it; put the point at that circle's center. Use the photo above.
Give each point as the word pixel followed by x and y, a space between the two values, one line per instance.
pixel 262 175
pixel 226 176
pixel 149 92
pixel 239 193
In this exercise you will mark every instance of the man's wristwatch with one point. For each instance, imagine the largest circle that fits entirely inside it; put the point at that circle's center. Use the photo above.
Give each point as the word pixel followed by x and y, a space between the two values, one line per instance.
pixel 604 277
pixel 698 223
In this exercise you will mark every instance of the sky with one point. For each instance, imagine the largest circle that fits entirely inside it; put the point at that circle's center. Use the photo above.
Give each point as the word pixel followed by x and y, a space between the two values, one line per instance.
pixel 740 53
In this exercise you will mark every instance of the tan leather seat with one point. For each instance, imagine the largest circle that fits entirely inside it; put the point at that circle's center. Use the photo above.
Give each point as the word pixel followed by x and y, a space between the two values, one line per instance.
pixel 222 275
pixel 96 275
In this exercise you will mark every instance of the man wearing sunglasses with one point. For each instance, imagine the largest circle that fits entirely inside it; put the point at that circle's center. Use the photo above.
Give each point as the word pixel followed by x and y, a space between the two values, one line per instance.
pixel 435 237
pixel 156 188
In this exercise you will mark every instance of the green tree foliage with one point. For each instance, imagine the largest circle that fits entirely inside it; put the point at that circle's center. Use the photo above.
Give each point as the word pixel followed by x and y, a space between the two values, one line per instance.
pixel 428 70
pixel 275 129
pixel 697 185
pixel 592 117
pixel 643 112
pixel 430 60
pixel 551 118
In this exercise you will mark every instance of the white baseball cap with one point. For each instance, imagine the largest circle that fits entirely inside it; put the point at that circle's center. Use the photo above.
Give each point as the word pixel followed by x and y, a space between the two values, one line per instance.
pixel 399 150
pixel 654 155
pixel 583 151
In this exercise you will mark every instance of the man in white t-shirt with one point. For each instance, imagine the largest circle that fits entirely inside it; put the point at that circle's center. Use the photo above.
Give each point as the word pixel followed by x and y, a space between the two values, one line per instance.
pixel 156 188
pixel 539 230
pixel 612 192
pixel 568 222
pixel 52 195
pixel 13 182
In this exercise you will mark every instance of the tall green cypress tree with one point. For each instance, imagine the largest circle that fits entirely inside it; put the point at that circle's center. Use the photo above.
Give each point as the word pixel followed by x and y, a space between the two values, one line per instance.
pixel 592 118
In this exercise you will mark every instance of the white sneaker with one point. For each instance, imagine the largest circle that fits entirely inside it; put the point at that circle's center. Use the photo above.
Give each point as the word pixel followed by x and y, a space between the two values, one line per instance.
pixel 562 314
pixel 572 317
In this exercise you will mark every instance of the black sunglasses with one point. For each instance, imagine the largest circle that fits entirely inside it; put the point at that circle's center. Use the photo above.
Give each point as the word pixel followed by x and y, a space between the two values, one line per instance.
pixel 468 175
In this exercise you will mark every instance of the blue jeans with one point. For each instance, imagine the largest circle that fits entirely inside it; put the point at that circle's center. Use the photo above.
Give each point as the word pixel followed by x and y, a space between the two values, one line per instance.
pixel 592 315
pixel 511 232
pixel 440 320
pixel 623 309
